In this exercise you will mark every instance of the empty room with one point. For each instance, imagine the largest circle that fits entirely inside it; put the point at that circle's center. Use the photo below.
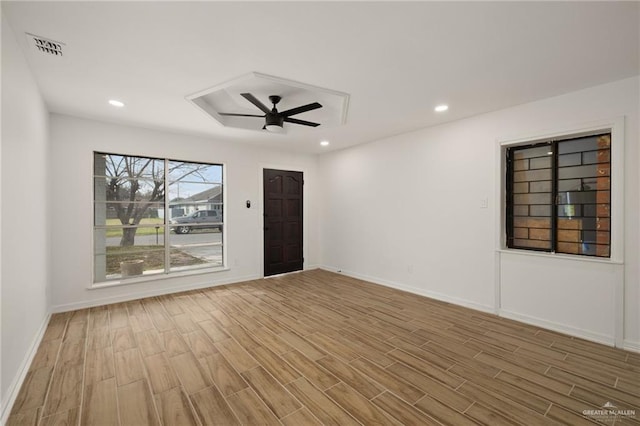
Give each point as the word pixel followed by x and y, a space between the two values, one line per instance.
pixel 320 213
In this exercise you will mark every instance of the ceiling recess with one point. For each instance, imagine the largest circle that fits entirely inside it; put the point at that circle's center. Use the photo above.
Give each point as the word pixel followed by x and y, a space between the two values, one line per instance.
pixel 226 104
pixel 45 45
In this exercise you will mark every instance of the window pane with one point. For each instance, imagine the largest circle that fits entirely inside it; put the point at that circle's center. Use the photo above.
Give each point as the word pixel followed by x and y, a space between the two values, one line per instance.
pixel 196 215
pixel 529 209
pixel 584 196
pixel 196 249
pixel 126 252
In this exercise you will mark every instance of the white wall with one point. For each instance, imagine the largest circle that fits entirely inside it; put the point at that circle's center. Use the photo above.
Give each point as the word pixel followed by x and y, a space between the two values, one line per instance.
pixel 406 211
pixel 73 142
pixel 25 226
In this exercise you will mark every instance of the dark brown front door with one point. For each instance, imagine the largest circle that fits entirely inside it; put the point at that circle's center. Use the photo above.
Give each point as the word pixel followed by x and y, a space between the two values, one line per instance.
pixel 282 221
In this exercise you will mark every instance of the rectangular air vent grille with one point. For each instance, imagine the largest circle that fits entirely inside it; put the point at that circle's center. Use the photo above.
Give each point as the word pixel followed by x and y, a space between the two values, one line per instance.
pixel 45 45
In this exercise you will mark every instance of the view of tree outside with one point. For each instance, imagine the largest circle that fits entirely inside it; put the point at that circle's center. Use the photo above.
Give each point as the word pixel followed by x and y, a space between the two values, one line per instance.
pixel 133 184
pixel 132 219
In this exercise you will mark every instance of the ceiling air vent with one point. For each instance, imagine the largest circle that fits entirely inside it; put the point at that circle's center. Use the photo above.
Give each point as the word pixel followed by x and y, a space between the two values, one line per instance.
pixel 46 45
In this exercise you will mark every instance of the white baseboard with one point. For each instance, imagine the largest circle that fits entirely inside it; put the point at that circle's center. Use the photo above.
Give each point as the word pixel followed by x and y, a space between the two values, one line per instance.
pixel 631 346
pixel 16 384
pixel 561 328
pixel 151 293
pixel 418 291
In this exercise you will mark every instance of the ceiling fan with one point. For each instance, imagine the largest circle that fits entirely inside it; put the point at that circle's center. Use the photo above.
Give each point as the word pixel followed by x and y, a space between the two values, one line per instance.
pixel 274 119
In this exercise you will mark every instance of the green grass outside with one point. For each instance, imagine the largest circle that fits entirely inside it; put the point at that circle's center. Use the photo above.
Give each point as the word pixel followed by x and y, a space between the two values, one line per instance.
pixel 116 232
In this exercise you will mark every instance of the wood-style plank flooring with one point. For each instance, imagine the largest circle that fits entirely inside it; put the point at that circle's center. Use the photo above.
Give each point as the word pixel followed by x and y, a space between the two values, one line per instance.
pixel 314 348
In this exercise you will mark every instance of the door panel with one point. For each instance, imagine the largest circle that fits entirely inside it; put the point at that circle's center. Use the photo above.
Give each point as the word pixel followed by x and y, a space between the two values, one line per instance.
pixel 275 207
pixel 293 208
pixel 282 221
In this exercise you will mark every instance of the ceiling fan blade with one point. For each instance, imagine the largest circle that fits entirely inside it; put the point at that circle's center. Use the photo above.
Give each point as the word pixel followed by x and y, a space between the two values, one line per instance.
pixel 256 102
pixel 300 109
pixel 302 122
pixel 231 114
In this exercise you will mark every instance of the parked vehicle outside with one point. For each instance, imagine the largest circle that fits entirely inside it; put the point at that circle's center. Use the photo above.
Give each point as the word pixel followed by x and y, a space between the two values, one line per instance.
pixel 201 219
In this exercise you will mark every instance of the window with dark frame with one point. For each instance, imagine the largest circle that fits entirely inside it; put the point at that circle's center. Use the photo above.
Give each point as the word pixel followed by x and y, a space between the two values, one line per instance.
pixel 559 196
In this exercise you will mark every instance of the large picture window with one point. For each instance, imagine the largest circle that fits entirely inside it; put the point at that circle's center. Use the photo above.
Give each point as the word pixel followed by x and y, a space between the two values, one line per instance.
pixel 559 196
pixel 155 216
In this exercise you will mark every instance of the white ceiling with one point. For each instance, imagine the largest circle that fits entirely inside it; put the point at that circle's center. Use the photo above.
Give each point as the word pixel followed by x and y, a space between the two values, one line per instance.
pixel 395 60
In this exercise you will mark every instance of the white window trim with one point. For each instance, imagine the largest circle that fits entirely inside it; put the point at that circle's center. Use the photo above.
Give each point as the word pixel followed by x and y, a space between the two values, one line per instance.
pixel 157 276
pixel 616 127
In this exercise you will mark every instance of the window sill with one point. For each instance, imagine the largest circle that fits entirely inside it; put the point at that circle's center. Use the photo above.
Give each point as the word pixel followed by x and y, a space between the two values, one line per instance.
pixel 157 277
pixel 560 256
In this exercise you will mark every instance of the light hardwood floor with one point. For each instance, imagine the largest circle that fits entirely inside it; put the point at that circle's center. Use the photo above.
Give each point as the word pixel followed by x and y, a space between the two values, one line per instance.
pixel 314 348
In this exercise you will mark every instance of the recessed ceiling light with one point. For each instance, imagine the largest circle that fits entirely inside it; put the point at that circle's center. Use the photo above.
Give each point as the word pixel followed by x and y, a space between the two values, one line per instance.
pixel 441 108
pixel 324 143
pixel 116 103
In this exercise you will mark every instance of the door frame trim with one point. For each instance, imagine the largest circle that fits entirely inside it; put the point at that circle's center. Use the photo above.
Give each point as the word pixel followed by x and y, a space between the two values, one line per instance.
pixel 305 210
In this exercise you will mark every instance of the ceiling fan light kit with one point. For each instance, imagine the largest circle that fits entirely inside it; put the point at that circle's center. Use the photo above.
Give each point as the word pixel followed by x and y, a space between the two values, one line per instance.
pixel 273 121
